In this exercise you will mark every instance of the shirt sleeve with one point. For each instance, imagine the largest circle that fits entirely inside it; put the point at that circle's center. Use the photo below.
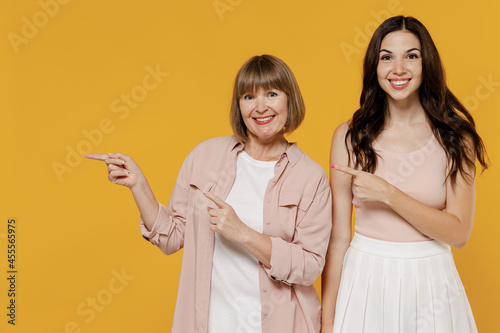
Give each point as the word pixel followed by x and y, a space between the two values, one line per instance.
pixel 168 229
pixel 302 260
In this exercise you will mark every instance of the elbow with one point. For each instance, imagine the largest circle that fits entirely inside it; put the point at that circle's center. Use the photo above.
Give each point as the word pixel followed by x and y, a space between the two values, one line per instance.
pixel 314 271
pixel 461 240
pixel 460 243
pixel 461 233
pixel 310 281
pixel 458 246
pixel 307 281
pixel 168 250
pixel 295 264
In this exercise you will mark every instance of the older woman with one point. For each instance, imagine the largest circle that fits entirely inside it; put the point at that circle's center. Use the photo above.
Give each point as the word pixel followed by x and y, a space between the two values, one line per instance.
pixel 250 259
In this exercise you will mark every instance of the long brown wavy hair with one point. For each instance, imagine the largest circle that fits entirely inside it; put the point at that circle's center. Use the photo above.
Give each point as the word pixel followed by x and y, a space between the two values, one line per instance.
pixel 451 123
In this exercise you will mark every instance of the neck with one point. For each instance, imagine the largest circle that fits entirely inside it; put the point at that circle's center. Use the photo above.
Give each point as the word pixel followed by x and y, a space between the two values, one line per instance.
pixel 266 150
pixel 406 112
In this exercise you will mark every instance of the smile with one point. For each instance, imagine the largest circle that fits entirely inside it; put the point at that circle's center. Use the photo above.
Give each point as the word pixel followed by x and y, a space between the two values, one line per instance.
pixel 399 84
pixel 263 120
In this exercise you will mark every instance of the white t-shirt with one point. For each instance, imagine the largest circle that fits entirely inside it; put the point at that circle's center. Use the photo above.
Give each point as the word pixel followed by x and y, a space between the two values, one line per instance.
pixel 235 293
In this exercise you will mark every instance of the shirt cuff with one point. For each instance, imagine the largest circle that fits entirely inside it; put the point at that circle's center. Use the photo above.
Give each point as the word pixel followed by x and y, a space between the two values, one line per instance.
pixel 281 260
pixel 159 227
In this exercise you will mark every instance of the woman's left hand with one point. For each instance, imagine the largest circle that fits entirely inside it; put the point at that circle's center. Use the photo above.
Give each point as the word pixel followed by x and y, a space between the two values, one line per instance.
pixel 225 221
pixel 367 186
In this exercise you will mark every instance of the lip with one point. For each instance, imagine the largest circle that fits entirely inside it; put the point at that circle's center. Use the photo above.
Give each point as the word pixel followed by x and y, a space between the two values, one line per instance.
pixel 263 122
pixel 399 87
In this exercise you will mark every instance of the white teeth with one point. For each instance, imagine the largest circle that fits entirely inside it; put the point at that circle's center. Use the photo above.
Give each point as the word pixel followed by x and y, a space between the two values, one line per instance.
pixel 263 119
pixel 400 83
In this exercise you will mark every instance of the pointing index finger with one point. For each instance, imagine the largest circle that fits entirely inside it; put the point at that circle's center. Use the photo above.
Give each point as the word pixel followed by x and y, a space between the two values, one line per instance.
pixel 218 201
pixel 99 157
pixel 347 170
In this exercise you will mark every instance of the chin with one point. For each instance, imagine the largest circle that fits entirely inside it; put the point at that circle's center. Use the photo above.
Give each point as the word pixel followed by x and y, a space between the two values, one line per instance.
pixel 267 135
pixel 405 97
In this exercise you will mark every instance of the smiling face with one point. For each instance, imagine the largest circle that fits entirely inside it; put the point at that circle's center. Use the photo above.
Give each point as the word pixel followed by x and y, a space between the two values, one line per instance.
pixel 399 68
pixel 264 113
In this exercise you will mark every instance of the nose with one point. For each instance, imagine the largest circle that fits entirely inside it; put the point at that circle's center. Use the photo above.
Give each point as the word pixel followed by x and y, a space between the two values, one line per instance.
pixel 261 104
pixel 399 67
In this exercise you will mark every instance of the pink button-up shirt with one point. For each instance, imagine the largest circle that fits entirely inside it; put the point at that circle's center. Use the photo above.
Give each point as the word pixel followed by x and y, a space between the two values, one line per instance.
pixel 297 218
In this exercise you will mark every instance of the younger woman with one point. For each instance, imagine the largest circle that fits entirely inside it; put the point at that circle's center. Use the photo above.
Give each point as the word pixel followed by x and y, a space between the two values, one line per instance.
pixel 406 160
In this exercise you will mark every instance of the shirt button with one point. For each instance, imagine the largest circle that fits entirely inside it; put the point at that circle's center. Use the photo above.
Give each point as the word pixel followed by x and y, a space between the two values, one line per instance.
pixel 274 180
pixel 278 164
pixel 264 290
pixel 264 314
pixel 267 222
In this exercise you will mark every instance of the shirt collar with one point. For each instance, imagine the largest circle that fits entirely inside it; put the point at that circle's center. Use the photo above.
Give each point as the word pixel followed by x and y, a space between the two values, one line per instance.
pixel 293 153
pixel 235 144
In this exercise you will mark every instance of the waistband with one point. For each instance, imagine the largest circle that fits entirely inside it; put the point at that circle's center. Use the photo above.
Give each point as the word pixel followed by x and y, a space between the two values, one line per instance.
pixel 398 250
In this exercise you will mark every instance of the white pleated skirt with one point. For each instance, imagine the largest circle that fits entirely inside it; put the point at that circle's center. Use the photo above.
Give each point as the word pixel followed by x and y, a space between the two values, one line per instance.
pixel 389 287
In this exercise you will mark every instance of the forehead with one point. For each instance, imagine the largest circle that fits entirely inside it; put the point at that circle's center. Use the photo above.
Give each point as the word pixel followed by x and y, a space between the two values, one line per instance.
pixel 259 88
pixel 401 40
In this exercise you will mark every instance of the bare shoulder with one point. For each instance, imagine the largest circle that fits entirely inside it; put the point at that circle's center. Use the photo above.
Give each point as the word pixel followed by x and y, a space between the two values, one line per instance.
pixel 338 148
pixel 340 155
pixel 340 132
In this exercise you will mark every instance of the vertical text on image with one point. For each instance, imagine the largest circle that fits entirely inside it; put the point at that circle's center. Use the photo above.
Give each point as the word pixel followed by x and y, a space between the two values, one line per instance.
pixel 12 271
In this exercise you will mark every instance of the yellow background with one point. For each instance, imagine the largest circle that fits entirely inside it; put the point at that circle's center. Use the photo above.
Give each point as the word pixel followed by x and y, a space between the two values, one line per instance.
pixel 77 231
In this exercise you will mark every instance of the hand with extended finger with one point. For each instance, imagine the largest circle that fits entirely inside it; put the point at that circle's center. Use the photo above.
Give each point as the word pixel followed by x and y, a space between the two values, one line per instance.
pixel 122 169
pixel 367 186
pixel 225 221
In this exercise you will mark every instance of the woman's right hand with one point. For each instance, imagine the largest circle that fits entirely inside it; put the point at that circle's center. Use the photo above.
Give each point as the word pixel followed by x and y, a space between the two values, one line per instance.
pixel 122 169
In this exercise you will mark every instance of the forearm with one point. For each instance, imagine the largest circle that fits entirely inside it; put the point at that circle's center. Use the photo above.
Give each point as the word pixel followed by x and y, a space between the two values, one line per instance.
pixel 437 224
pixel 258 245
pixel 146 202
pixel 330 281
pixel 299 260
pixel 341 229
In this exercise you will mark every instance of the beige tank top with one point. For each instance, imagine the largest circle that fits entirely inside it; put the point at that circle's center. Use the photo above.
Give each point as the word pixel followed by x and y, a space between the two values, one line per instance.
pixel 421 174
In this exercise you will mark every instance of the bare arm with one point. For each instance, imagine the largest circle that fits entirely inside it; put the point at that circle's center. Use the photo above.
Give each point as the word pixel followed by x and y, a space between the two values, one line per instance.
pixel 123 170
pixel 452 226
pixel 341 186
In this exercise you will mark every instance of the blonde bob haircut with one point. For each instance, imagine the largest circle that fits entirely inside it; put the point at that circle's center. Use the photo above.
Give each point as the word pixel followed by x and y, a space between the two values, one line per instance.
pixel 266 72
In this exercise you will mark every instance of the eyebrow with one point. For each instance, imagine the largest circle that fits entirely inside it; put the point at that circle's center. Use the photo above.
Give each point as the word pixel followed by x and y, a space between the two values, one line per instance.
pixel 407 51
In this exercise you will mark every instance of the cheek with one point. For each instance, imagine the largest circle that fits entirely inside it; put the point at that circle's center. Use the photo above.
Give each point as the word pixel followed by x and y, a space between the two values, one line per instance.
pixel 420 74
pixel 245 110
pixel 283 115
pixel 417 69
pixel 417 74
pixel 381 79
pixel 284 107
pixel 381 74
